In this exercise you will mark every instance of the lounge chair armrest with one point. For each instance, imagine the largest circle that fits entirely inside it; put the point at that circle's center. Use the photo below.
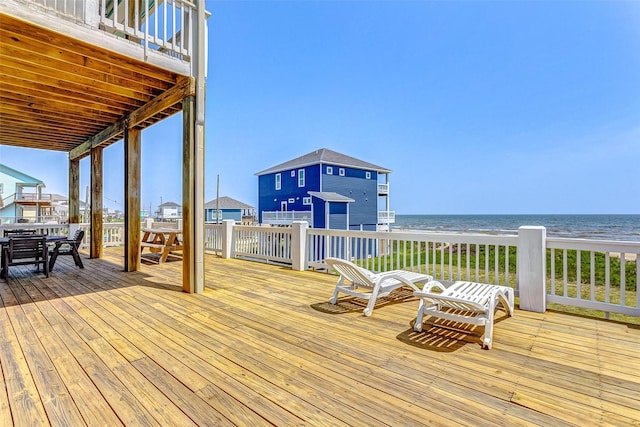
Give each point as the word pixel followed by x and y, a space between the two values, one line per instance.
pixel 432 284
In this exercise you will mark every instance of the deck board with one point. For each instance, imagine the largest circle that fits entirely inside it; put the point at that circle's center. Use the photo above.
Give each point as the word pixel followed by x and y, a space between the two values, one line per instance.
pixel 262 346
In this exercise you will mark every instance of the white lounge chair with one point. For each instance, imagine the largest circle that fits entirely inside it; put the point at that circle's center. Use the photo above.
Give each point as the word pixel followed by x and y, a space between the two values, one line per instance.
pixel 465 302
pixel 378 284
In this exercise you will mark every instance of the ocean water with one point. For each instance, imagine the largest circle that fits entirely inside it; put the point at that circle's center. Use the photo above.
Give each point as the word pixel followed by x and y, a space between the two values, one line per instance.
pixel 605 227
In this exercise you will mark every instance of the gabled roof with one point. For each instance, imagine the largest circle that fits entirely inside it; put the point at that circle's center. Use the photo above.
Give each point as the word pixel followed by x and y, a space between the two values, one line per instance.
pixel 330 196
pixel 23 177
pixel 324 156
pixel 169 205
pixel 227 203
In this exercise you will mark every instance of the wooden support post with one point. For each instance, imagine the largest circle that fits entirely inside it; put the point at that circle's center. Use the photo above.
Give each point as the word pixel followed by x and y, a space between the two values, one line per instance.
pixel 132 138
pixel 96 202
pixel 74 191
pixel 193 163
pixel 193 239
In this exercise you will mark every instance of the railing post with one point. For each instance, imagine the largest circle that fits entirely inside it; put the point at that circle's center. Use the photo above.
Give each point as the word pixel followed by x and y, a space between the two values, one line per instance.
pixel 73 227
pixel 92 13
pixel 299 245
pixel 227 238
pixel 532 268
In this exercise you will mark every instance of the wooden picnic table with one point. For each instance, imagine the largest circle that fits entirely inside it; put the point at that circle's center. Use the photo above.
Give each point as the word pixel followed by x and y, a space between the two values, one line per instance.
pixel 161 241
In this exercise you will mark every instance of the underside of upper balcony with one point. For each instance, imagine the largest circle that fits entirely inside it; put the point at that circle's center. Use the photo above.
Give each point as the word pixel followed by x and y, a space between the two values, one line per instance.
pixel 84 72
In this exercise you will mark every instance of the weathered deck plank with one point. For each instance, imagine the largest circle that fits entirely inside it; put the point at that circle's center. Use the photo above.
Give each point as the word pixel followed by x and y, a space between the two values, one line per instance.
pixel 262 346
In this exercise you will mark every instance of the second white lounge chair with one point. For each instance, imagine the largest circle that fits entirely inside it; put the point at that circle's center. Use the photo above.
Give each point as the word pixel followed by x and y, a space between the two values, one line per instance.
pixel 465 302
pixel 377 285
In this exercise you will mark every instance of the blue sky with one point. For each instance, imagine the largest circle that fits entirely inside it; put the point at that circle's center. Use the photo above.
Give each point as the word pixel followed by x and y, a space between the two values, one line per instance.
pixel 501 107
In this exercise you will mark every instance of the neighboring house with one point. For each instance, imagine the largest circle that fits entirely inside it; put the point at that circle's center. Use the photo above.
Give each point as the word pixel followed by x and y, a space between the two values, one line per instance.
pixel 229 209
pixel 328 190
pixel 22 199
pixel 169 210
pixel 62 208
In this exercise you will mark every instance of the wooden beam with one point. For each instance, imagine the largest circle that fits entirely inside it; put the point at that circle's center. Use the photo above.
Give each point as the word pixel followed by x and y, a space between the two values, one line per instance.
pixel 132 138
pixel 74 192
pixel 96 140
pixel 184 87
pixel 96 202
pixel 169 98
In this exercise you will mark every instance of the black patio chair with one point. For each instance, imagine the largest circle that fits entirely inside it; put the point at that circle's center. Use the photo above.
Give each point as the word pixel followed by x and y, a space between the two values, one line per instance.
pixel 68 247
pixel 25 251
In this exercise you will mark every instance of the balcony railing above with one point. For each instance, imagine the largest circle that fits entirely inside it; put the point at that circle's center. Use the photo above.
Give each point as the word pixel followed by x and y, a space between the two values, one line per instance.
pixel 160 25
pixel 285 217
pixel 386 217
pixel 383 189
pixel 27 198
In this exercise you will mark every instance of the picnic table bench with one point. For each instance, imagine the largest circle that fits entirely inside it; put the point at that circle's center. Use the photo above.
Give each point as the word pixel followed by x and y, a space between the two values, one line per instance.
pixel 162 241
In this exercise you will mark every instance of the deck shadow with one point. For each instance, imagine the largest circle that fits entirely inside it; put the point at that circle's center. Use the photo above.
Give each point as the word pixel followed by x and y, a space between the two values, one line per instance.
pixel 154 259
pixel 354 304
pixel 437 338
pixel 443 335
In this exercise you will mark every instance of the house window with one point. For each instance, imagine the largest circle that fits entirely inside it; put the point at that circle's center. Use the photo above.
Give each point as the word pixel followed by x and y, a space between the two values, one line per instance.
pixel 329 170
pixel 368 175
pixel 300 177
pixel 306 200
pixel 341 171
pixel 278 181
pixel 293 173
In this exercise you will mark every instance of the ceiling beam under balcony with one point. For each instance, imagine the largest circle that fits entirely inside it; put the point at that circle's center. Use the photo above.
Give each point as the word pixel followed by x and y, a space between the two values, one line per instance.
pixel 185 87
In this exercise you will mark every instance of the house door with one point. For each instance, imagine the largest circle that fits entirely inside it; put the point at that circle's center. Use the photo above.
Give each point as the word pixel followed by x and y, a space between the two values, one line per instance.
pixel 283 206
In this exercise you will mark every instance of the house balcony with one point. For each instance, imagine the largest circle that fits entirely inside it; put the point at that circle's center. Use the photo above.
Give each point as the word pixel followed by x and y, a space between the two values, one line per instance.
pixel 285 217
pixel 262 346
pixel 386 217
pixel 383 189
pixel 160 30
pixel 76 74
pixel 28 199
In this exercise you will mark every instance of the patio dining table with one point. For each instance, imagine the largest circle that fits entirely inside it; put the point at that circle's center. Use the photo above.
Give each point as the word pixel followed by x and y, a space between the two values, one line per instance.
pixel 4 242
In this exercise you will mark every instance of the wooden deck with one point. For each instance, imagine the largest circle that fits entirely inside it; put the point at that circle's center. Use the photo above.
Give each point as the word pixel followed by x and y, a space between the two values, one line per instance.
pixel 261 346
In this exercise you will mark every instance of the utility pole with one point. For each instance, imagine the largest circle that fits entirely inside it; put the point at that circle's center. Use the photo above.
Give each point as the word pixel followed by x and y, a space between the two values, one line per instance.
pixel 218 200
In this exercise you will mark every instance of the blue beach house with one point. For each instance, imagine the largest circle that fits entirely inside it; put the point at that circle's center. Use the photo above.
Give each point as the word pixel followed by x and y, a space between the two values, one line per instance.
pixel 227 208
pixel 328 190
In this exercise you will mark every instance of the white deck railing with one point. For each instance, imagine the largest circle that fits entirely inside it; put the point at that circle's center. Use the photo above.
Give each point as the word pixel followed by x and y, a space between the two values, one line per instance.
pixel 608 268
pixel 594 274
pixel 285 217
pixel 447 257
pixel 605 277
pixel 265 243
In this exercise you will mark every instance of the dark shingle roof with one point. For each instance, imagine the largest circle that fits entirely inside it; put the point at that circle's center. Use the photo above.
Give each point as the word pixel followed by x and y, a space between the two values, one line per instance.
pixel 169 205
pixel 324 156
pixel 227 203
